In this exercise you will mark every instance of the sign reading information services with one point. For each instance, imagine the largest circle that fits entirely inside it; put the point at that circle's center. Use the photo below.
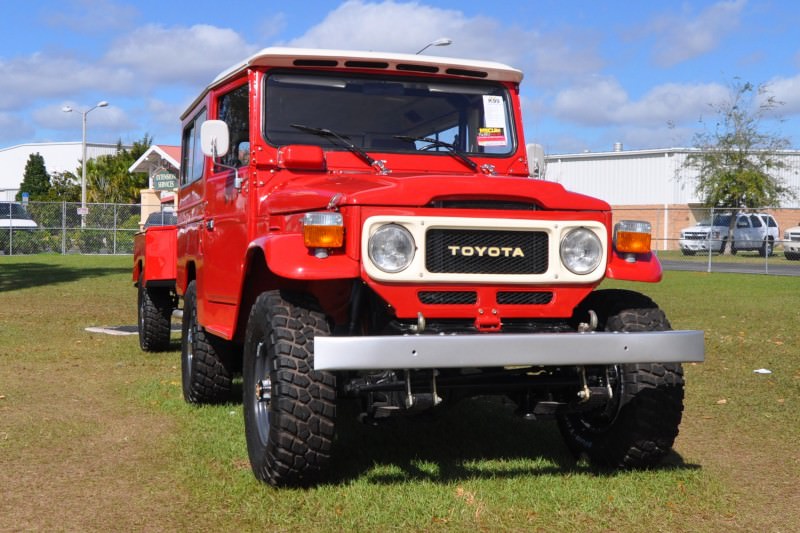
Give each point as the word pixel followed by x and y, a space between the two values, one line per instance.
pixel 164 180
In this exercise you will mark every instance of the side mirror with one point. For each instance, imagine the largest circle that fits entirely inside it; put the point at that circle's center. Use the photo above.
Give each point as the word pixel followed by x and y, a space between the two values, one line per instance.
pixel 215 138
pixel 536 164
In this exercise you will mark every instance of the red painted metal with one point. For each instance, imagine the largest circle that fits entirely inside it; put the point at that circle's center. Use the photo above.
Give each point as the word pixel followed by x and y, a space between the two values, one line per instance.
pixel 232 240
pixel 155 254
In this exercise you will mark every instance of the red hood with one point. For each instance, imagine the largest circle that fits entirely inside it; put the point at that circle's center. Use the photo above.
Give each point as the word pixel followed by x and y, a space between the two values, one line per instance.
pixel 414 190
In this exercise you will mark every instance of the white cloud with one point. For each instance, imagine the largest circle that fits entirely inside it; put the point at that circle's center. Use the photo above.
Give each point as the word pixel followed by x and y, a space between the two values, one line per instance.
pixel 13 127
pixel 786 90
pixel 680 38
pixel 408 26
pixel 178 55
pixel 604 102
pixel 26 79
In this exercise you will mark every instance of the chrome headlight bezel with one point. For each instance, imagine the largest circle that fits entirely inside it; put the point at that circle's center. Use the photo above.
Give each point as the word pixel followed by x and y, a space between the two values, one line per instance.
pixel 581 251
pixel 391 248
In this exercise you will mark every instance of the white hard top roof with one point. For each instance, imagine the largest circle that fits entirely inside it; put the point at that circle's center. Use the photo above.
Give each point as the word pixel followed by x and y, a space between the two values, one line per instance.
pixel 355 59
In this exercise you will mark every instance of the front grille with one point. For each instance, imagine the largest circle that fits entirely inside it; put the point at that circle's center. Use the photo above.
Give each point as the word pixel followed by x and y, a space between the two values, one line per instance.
pixel 448 297
pixel 477 251
pixel 524 297
pixel 696 236
pixel 794 236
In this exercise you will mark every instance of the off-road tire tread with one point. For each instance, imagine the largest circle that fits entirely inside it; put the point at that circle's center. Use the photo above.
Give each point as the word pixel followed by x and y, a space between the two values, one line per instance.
pixel 155 318
pixel 651 404
pixel 303 404
pixel 210 379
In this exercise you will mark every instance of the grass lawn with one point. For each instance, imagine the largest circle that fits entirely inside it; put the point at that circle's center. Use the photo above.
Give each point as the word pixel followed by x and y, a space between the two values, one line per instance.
pixel 94 434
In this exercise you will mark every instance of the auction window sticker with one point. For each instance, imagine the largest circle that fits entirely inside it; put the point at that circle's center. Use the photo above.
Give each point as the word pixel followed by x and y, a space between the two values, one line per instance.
pixel 494 112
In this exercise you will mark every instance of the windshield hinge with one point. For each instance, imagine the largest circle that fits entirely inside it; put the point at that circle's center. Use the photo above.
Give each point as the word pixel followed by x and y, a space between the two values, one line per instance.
pixel 488 169
pixel 380 166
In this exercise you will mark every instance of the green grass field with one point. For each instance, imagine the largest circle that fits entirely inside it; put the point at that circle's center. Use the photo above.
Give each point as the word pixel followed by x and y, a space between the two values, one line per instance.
pixel 94 434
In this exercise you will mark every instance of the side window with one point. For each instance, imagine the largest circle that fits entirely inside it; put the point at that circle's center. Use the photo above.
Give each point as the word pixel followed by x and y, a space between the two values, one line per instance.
pixel 233 110
pixel 756 221
pixel 191 154
pixel 771 222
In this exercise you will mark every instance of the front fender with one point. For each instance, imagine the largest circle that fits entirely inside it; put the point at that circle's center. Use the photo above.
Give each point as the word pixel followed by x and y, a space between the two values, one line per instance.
pixel 288 257
pixel 646 268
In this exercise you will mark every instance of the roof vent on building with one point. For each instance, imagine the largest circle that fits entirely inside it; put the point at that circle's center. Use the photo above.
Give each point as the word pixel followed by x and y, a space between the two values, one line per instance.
pixel 618 147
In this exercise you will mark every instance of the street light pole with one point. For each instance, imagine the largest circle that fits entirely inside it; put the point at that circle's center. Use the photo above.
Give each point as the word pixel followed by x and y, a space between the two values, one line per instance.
pixel 68 109
pixel 442 41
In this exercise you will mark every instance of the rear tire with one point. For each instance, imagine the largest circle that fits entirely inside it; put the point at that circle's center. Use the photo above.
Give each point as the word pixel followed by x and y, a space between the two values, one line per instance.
pixel 289 408
pixel 154 318
pixel 638 427
pixel 205 359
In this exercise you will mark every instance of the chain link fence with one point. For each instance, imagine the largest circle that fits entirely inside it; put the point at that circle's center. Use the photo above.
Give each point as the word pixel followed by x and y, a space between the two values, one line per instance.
pixel 58 227
pixel 684 237
pixel 765 240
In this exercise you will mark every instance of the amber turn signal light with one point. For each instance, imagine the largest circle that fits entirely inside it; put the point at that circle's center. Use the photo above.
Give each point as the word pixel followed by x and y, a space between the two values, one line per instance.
pixel 323 230
pixel 632 236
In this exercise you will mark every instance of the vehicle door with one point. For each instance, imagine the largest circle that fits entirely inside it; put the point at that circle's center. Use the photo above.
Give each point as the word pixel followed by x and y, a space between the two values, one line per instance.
pixel 225 222
pixel 742 233
pixel 758 231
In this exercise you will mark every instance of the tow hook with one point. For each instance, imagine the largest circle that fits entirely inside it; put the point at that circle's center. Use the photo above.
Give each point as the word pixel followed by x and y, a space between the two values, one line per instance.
pixel 584 327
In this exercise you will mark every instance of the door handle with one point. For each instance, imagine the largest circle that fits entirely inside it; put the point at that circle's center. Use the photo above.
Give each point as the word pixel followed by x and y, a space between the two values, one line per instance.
pixel 210 224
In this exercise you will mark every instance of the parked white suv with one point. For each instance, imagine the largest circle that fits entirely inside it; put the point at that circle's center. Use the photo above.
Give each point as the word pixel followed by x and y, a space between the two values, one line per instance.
pixel 752 231
pixel 791 243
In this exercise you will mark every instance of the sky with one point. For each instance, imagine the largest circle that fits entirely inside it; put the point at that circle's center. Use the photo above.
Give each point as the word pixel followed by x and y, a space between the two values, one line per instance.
pixel 645 74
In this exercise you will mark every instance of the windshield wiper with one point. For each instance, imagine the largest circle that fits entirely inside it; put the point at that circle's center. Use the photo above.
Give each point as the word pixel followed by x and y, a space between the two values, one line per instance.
pixel 344 141
pixel 450 148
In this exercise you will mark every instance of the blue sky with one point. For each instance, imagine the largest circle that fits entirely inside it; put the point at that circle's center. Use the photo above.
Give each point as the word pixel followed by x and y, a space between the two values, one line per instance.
pixel 596 73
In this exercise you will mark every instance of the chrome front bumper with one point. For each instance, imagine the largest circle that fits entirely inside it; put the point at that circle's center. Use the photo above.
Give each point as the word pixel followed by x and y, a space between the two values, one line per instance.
pixel 493 350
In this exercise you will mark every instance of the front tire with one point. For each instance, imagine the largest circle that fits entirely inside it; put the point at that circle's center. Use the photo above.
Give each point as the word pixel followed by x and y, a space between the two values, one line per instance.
pixel 205 359
pixel 638 427
pixel 154 317
pixel 289 408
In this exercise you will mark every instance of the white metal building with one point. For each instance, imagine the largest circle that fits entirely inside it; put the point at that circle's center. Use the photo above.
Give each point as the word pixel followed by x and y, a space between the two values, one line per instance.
pixel 58 157
pixel 643 177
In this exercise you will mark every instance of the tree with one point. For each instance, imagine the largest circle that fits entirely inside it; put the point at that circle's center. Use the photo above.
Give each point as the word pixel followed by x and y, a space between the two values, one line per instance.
pixel 64 187
pixel 737 162
pixel 35 180
pixel 108 179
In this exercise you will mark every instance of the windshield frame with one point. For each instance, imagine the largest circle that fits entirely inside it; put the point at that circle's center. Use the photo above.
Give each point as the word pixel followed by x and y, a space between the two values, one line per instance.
pixel 478 88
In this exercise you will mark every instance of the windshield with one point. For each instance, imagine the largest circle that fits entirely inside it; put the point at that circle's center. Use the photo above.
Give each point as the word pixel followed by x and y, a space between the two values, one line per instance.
pixel 719 220
pixel 12 210
pixel 371 112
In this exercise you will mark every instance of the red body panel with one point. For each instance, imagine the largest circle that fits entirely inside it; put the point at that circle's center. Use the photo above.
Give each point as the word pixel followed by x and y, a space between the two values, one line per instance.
pixel 155 254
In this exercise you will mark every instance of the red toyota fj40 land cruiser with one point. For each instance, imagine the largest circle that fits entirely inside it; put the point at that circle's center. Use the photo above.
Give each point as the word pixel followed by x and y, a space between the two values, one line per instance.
pixel 358 225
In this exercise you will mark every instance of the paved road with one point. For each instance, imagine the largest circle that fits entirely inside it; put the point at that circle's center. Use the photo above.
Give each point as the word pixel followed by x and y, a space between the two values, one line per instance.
pixel 775 267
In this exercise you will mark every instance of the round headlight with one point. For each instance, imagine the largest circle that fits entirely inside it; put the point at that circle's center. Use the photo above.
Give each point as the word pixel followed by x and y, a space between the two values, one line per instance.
pixel 581 251
pixel 391 248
